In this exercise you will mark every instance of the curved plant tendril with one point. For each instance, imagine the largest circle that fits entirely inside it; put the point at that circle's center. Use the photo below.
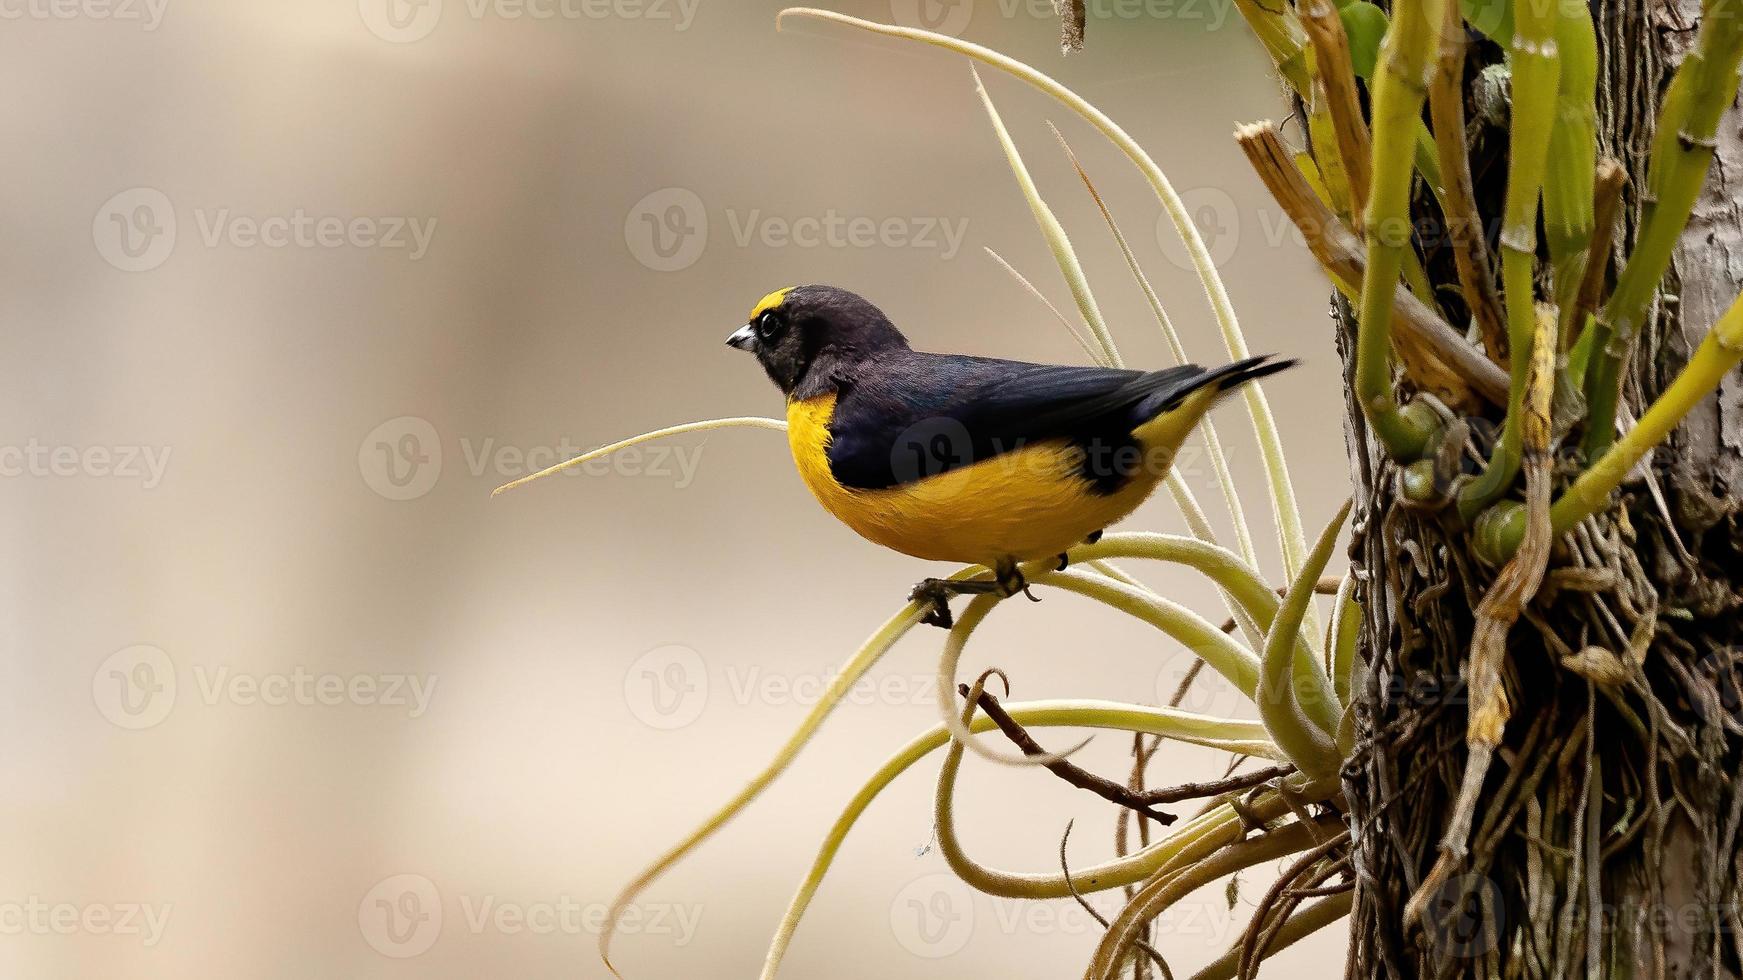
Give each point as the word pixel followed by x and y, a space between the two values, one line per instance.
pixel 1164 889
pixel 1225 655
pixel 1295 698
pixel 1245 737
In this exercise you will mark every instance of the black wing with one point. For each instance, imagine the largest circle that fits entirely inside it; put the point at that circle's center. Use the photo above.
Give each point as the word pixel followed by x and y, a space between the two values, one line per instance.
pixel 912 415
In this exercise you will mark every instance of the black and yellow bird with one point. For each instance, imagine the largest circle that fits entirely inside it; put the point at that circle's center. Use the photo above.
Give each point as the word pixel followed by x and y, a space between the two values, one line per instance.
pixel 968 459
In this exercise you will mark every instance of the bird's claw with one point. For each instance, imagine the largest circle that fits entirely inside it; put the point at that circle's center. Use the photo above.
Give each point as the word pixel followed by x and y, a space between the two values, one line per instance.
pixel 937 592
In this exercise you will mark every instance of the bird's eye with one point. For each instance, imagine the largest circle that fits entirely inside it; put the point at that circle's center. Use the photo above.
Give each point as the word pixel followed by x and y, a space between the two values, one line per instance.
pixel 768 325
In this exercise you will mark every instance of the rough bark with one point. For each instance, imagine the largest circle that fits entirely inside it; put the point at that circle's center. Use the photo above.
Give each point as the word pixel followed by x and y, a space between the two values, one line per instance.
pixel 1607 844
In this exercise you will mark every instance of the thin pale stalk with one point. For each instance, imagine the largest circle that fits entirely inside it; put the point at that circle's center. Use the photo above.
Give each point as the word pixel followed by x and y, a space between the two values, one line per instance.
pixel 1213 445
pixel 843 682
pixel 1057 241
pixel 1090 348
pixel 747 422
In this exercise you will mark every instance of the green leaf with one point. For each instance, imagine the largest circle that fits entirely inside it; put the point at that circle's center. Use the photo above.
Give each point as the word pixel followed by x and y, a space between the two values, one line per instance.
pixel 1366 25
pixel 1494 18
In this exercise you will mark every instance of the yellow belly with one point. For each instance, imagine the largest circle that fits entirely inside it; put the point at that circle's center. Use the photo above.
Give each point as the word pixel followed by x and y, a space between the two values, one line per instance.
pixel 1026 504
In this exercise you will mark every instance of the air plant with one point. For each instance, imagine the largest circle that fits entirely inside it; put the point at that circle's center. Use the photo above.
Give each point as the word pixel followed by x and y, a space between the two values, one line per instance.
pixel 1531 351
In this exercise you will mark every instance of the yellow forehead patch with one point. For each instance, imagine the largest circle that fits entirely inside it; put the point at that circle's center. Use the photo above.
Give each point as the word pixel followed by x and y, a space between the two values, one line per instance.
pixel 770 301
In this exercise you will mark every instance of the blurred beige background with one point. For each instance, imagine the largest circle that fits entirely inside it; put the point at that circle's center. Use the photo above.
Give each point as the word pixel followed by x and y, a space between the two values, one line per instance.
pixel 291 284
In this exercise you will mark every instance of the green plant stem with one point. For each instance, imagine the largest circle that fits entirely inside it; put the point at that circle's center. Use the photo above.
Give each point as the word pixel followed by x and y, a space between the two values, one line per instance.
pixel 1682 153
pixel 1536 77
pixel 1569 199
pixel 1398 94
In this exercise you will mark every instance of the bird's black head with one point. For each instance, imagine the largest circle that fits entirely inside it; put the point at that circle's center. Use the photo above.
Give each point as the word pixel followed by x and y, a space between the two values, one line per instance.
pixel 807 336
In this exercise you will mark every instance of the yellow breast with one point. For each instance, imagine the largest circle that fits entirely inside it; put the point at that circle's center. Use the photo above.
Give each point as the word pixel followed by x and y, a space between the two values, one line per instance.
pixel 1026 504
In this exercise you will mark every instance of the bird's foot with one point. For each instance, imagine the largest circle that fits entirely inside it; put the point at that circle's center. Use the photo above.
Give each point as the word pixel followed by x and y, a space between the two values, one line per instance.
pixel 939 591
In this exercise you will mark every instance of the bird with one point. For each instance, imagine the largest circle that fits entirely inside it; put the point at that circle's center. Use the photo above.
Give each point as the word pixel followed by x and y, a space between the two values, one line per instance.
pixel 977 460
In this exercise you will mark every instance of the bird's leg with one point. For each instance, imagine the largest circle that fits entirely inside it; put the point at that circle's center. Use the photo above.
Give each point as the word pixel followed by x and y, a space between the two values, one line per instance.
pixel 1094 536
pixel 1064 562
pixel 1007 582
pixel 1011 581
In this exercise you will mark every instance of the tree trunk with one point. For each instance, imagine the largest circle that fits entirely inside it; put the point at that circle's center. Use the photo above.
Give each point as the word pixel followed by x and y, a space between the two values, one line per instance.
pixel 1606 841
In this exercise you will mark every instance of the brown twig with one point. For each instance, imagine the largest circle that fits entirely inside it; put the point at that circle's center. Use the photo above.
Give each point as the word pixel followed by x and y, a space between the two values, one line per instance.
pixel 1336 80
pixel 1215 787
pixel 1077 776
pixel 1343 256
pixel 1606 197
pixel 1446 105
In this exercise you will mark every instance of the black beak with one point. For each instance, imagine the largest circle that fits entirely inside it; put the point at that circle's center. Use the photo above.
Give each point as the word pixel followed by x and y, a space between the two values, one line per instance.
pixel 744 338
